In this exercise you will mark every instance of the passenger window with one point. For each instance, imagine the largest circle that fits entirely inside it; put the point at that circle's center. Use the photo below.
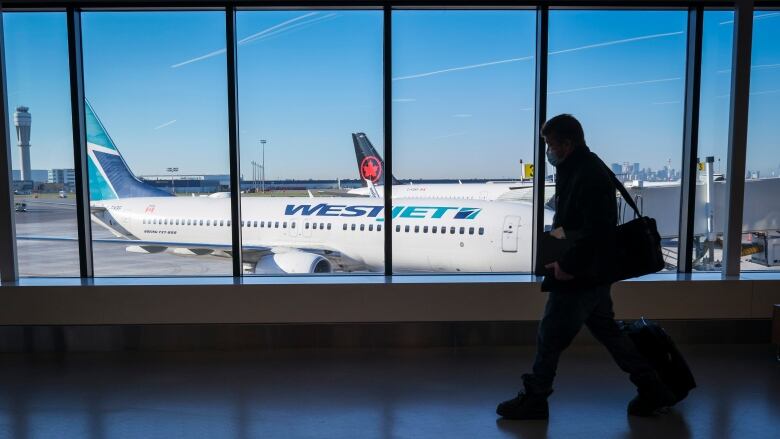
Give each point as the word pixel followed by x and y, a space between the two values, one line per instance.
pixel 344 227
pixel 306 226
pixel 397 227
pixel 481 230
pixel 254 224
pixel 322 226
pixel 362 227
pixel 471 230
pixel 276 224
pixel 208 222
pixel 177 221
pixel 328 226
pixel 416 229
pixel 462 230
pixel 378 227
pixel 242 223
pixel 292 225
pixel 406 229
pixel 221 223
pixel 165 222
pixel 434 229
pixel 452 230
pixel 314 226
pixel 425 229
pixel 201 222
pixel 228 223
pixel 370 227
pixel 262 224
pixel 284 225
pixel 352 227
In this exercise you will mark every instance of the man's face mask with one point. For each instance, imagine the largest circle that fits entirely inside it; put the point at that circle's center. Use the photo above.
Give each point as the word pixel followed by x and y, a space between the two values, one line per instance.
pixel 552 157
pixel 556 150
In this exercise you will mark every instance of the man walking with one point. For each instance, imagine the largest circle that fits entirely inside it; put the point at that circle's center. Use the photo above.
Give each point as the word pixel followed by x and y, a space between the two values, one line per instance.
pixel 586 215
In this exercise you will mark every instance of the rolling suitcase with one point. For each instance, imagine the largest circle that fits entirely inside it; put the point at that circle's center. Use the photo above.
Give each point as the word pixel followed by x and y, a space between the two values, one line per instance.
pixel 657 347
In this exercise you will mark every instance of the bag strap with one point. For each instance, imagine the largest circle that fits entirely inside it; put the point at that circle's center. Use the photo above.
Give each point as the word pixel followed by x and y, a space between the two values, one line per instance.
pixel 619 186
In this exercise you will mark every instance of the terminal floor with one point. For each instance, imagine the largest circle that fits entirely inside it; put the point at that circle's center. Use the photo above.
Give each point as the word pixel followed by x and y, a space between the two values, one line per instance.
pixel 420 393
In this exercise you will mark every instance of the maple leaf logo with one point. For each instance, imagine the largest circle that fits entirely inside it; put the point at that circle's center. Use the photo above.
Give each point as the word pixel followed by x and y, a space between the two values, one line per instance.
pixel 371 169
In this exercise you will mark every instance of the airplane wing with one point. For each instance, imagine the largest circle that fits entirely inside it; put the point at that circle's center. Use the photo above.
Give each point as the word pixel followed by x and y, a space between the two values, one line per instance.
pixel 262 249
pixel 252 253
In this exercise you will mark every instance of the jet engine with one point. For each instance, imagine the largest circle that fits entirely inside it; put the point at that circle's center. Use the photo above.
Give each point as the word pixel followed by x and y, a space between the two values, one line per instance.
pixel 294 262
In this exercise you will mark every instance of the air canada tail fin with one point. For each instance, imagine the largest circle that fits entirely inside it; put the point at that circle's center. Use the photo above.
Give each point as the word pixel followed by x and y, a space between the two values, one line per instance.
pixel 109 175
pixel 370 164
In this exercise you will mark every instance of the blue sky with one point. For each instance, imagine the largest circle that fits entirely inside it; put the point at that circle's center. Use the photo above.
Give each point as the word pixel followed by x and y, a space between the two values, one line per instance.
pixel 463 88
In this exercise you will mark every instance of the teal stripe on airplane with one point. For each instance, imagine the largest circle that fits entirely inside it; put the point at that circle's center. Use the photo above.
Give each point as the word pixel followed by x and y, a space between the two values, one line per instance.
pixel 99 188
pixel 96 132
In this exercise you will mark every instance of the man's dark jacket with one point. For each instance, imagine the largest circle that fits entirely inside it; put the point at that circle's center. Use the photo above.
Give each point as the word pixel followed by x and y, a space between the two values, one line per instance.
pixel 586 208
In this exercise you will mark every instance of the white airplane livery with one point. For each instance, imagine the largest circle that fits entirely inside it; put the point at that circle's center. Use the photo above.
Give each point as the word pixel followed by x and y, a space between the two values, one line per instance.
pixel 306 235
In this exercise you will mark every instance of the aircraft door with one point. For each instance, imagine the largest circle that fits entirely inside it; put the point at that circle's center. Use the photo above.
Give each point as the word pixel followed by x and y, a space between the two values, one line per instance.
pixel 510 234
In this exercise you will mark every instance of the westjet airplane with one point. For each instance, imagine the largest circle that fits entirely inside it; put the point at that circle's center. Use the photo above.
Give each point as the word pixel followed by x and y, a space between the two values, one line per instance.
pixel 305 235
pixel 371 168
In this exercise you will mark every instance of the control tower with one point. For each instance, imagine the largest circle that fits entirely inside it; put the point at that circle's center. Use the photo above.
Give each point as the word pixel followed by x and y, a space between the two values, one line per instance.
pixel 22 121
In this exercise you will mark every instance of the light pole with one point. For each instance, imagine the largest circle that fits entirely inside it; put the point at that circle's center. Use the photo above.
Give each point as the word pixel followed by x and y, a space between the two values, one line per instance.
pixel 262 166
pixel 172 170
pixel 254 176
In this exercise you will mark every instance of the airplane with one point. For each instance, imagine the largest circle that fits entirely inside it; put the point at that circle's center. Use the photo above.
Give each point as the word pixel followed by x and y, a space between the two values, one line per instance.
pixel 371 168
pixel 304 235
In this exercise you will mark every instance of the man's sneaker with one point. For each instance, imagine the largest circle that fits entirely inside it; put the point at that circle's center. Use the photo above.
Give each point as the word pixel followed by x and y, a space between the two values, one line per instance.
pixel 524 406
pixel 651 402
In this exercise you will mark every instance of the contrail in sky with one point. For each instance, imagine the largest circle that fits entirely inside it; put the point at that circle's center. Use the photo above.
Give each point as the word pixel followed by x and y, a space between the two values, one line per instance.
pixel 275 27
pixel 528 58
pixel 170 122
pixel 617 84
pixel 273 30
pixel 468 67
pixel 284 27
pixel 758 17
pixel 755 67
pixel 612 43
pixel 765 92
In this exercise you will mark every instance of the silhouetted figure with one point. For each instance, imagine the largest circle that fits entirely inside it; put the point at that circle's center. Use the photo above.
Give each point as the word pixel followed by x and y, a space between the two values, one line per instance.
pixel 585 214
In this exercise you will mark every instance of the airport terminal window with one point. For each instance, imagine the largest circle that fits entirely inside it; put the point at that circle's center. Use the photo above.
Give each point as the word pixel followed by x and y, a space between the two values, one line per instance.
pixel 463 98
pixel 761 214
pixel 306 84
pixel 709 213
pixel 622 74
pixel 156 91
pixel 41 143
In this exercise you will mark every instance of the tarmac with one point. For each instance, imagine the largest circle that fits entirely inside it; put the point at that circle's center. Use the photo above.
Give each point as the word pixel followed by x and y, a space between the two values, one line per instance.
pixel 57 218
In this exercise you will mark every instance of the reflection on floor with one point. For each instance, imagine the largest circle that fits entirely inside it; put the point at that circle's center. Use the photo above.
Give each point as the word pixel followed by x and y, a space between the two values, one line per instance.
pixel 429 393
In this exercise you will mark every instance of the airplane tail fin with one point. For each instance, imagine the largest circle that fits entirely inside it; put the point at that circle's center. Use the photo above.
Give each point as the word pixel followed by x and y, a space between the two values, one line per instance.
pixel 109 175
pixel 371 167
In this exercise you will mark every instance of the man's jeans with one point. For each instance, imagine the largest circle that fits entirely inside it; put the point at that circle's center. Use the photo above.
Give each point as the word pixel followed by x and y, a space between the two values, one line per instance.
pixel 564 315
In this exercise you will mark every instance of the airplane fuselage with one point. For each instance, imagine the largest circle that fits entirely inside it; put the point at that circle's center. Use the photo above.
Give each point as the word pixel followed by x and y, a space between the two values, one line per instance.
pixel 429 234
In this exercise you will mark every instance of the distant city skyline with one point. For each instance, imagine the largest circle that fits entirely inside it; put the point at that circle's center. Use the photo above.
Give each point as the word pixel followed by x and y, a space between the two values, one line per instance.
pixel 463 88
